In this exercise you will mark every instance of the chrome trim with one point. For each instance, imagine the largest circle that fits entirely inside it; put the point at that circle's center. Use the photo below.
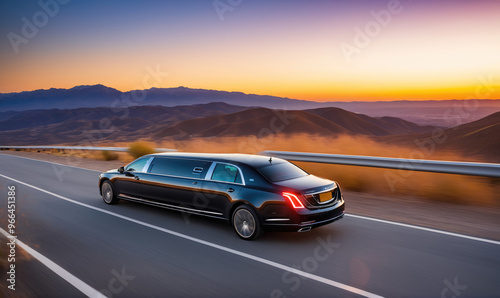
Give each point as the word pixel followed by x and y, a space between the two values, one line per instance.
pixel 191 178
pixel 315 193
pixel 210 171
pixel 307 223
pixel 128 197
pixel 340 202
pixel 327 202
pixel 314 224
pixel 148 163
pixel 233 183
pixel 125 197
pixel 320 192
pixel 277 219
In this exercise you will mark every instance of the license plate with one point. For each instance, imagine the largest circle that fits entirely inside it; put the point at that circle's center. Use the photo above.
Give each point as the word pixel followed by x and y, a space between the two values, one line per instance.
pixel 326 196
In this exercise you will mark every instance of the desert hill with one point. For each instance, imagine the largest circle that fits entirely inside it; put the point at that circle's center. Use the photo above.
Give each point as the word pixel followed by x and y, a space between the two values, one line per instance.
pixel 421 112
pixel 478 139
pixel 261 121
pixel 152 114
pixel 40 127
pixel 45 127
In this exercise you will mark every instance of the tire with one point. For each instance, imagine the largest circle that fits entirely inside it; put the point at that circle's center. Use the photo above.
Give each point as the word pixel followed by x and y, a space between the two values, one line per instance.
pixel 246 223
pixel 108 194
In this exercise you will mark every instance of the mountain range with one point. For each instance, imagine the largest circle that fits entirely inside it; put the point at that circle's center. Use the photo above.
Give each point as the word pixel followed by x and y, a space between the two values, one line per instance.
pixel 217 119
pixel 98 114
pixel 157 123
pixel 440 113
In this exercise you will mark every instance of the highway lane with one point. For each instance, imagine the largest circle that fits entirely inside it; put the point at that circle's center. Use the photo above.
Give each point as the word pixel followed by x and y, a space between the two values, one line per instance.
pixel 376 257
pixel 33 278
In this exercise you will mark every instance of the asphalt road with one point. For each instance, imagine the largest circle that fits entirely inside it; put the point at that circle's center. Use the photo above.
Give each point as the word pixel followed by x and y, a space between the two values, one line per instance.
pixel 130 250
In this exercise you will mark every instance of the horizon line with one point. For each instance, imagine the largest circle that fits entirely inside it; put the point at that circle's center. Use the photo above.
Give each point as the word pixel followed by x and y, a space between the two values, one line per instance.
pixel 282 97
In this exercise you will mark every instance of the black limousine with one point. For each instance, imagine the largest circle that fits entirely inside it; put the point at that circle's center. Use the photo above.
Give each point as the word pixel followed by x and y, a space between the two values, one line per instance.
pixel 252 192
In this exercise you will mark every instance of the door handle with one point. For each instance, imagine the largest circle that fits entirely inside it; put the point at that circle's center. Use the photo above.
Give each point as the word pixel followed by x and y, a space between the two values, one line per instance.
pixel 195 183
pixel 230 190
pixel 137 178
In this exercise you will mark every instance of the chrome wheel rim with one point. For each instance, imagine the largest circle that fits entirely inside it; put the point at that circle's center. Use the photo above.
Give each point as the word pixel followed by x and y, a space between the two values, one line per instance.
pixel 107 193
pixel 244 223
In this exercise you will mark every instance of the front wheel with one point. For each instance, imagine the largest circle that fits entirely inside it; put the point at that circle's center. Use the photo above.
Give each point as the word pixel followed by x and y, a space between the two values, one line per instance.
pixel 246 223
pixel 108 195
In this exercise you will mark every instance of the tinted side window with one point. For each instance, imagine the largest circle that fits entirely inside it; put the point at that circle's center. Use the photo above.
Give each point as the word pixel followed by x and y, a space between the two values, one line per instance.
pixel 226 173
pixel 180 167
pixel 137 165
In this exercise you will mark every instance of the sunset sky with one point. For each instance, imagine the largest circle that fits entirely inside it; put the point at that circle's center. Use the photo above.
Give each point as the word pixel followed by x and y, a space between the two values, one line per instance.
pixel 315 50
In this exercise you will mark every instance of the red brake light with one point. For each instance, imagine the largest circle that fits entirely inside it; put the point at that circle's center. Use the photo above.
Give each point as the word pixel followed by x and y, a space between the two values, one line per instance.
pixel 296 203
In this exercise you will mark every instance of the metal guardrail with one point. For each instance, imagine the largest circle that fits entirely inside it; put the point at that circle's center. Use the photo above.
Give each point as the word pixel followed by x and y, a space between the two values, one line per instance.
pixel 449 167
pixel 436 166
pixel 118 149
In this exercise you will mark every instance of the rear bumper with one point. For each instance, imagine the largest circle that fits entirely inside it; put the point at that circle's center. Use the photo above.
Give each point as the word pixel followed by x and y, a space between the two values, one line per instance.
pixel 307 219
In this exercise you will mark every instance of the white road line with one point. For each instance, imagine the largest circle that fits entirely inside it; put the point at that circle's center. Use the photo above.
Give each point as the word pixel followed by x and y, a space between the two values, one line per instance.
pixel 70 278
pixel 213 245
pixel 426 229
pixel 347 214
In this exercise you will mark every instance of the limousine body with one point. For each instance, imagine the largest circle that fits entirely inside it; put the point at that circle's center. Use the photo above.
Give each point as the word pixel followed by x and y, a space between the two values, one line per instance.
pixel 251 192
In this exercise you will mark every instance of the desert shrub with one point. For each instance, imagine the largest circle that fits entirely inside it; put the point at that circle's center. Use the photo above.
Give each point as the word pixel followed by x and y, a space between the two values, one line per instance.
pixel 139 149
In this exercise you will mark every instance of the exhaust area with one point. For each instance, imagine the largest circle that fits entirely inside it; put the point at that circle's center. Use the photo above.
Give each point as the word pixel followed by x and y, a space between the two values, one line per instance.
pixel 304 229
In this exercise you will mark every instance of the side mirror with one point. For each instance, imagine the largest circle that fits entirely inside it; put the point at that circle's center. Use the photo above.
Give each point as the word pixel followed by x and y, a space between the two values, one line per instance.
pixel 121 170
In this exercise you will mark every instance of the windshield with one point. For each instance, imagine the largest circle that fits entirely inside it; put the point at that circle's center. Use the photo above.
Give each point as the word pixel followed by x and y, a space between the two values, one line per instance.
pixel 282 171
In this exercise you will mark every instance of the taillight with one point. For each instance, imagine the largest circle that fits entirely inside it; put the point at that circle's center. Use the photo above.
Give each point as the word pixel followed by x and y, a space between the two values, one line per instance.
pixel 296 203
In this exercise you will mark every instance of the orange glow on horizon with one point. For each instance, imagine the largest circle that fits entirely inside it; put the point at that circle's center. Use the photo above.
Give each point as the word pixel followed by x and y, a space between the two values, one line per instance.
pixel 425 53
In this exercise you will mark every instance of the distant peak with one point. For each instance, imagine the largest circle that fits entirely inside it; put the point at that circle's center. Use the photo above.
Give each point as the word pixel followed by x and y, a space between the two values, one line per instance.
pixel 80 87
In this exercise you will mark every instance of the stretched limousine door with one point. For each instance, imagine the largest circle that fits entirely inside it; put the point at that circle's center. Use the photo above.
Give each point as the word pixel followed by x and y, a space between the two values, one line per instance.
pixel 221 188
pixel 128 184
pixel 174 181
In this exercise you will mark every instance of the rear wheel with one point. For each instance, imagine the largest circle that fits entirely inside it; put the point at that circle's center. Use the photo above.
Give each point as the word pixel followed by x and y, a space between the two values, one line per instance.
pixel 108 195
pixel 246 223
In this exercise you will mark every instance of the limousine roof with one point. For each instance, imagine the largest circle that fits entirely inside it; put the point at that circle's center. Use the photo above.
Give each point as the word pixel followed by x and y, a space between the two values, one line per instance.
pixel 255 161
